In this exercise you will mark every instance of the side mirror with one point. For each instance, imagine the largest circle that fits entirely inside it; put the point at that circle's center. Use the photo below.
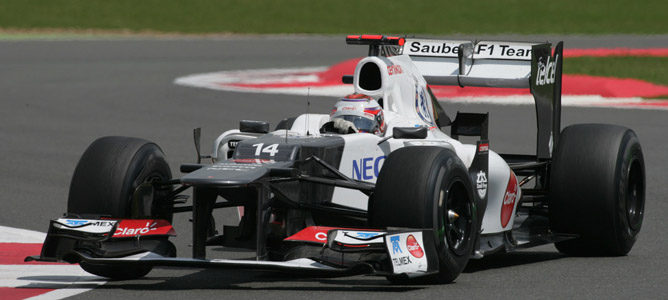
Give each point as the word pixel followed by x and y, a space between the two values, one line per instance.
pixel 409 132
pixel 254 126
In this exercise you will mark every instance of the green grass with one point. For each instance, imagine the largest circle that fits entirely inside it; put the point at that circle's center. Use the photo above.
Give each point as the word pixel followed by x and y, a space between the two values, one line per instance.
pixel 652 69
pixel 359 16
pixel 342 16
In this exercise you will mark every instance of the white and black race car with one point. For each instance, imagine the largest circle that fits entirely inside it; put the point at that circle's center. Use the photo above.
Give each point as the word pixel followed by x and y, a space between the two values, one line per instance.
pixel 413 204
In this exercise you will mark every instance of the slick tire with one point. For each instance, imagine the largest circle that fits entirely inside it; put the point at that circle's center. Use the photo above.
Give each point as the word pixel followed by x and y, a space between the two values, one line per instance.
pixel 597 189
pixel 103 184
pixel 416 188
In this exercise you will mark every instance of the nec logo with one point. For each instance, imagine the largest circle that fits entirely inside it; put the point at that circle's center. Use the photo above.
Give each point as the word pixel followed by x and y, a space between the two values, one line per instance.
pixel 367 168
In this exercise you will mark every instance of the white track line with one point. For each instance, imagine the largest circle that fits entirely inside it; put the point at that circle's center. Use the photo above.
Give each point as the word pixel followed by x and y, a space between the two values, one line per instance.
pixel 229 81
pixel 67 280
pixel 17 235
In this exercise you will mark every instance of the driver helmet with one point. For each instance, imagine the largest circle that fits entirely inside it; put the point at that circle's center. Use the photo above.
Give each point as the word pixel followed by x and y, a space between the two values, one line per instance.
pixel 361 110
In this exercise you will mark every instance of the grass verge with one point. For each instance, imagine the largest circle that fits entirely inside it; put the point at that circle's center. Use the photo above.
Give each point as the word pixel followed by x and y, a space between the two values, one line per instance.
pixel 652 69
pixel 342 16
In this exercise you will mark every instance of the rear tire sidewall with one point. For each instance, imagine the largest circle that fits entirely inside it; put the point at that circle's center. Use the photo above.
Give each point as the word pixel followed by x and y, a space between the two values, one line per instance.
pixel 595 171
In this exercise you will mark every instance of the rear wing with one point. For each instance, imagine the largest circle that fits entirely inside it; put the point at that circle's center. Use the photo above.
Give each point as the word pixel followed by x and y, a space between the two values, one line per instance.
pixel 464 63
pixel 498 64
pixel 487 64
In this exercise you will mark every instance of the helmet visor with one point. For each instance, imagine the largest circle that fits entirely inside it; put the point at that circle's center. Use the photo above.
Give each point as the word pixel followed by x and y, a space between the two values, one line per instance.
pixel 363 124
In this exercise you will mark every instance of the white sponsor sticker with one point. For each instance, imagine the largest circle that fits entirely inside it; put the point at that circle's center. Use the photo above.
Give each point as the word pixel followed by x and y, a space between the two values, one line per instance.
pixel 432 48
pixel 481 184
pixel 427 143
pixel 423 106
pixel 482 50
pixel 83 225
pixel 502 50
pixel 350 237
pixel 224 166
pixel 407 252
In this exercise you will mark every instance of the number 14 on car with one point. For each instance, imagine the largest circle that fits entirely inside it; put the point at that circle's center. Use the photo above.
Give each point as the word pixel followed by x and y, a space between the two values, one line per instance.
pixel 271 149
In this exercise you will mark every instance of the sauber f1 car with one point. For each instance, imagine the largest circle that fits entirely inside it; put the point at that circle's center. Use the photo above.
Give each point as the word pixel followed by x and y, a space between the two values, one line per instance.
pixel 412 204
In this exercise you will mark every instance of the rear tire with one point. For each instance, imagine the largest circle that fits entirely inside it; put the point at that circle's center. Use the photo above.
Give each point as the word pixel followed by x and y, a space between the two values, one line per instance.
pixel 103 183
pixel 416 188
pixel 597 189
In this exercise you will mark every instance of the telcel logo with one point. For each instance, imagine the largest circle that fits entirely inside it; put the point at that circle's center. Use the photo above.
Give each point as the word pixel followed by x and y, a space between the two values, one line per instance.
pixel 546 71
pixel 367 168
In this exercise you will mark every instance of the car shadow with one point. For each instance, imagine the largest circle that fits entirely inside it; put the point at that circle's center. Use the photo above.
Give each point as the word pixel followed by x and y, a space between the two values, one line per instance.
pixel 169 278
pixel 258 280
pixel 511 259
pixel 272 281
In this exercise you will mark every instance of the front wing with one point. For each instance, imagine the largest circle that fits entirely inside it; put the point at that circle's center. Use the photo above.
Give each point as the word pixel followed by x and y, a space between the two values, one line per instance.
pixel 344 252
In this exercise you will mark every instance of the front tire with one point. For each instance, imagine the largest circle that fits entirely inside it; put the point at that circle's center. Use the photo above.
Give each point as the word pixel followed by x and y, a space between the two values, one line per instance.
pixel 597 189
pixel 425 187
pixel 103 184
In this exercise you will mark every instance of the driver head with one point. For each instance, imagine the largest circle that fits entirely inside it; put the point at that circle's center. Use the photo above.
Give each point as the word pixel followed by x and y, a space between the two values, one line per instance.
pixel 361 110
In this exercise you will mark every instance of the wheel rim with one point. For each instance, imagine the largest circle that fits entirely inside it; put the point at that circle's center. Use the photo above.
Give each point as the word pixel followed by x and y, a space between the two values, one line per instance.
pixel 457 217
pixel 635 197
pixel 158 193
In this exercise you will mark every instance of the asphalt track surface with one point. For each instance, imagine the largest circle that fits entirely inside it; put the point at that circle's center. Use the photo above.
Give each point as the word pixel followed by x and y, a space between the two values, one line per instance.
pixel 56 97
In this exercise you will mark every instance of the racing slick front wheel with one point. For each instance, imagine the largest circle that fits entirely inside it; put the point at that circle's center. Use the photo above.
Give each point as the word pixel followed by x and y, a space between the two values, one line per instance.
pixel 428 187
pixel 103 184
pixel 597 189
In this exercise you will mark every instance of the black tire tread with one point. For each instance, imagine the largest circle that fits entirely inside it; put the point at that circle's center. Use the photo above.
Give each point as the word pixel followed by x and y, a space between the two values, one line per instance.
pixel 404 197
pixel 586 189
pixel 103 183
pixel 100 181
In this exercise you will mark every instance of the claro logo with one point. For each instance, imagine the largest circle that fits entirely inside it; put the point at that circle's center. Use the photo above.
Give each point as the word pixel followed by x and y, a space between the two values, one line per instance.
pixel 546 71
pixel 509 200
pixel 414 247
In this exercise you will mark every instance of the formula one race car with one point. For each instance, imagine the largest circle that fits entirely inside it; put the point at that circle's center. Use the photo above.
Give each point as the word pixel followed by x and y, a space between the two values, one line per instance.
pixel 411 204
